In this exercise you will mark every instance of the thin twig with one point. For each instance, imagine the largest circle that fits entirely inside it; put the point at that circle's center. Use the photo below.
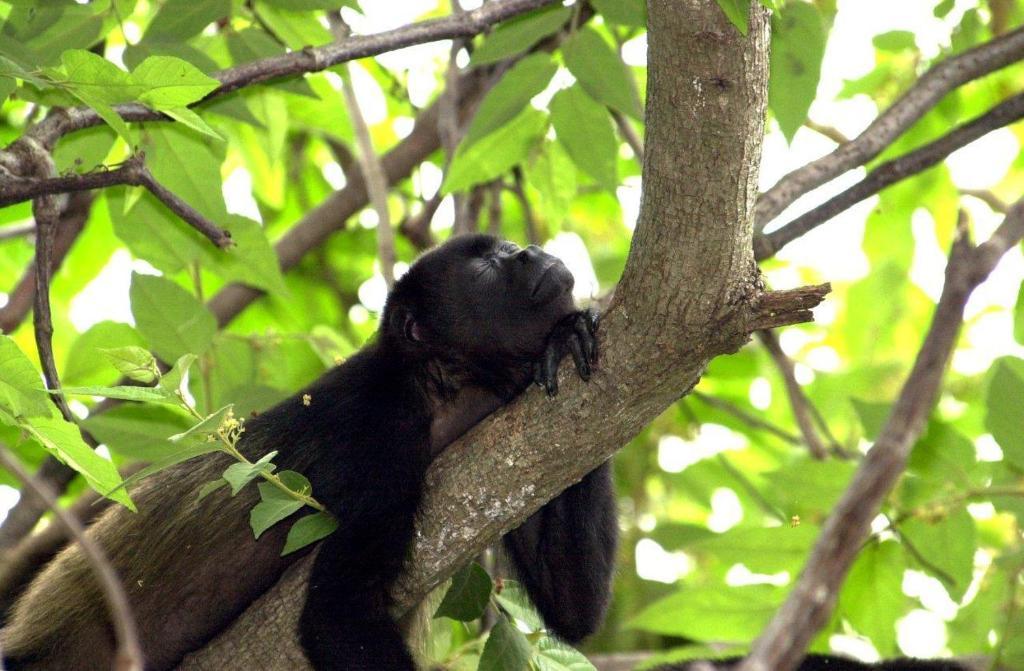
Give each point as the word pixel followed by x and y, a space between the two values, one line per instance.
pixel 529 218
pixel 17 230
pixel 782 644
pixel 369 164
pixel 629 134
pixel 129 652
pixel 891 172
pixel 748 418
pixel 915 103
pixel 995 203
pixel 494 208
pixel 798 401
pixel 830 132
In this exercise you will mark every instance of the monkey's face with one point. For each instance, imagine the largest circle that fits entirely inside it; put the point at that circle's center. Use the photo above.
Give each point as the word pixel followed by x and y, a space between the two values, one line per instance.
pixel 485 297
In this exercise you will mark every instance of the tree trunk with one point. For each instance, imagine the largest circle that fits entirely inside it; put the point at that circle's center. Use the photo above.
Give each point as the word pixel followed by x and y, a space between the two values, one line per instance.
pixel 690 291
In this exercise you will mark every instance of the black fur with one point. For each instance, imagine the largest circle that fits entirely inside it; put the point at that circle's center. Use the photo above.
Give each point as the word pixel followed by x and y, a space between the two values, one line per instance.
pixel 833 663
pixel 459 336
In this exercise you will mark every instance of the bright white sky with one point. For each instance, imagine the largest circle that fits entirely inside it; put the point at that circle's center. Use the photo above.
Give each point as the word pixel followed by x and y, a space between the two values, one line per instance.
pixel 832 252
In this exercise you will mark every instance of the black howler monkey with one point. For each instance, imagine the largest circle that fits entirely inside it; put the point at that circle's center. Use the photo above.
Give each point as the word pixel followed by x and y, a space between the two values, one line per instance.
pixel 468 327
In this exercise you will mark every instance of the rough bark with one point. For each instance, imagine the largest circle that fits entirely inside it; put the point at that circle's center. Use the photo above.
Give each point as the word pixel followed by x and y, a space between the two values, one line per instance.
pixel 690 291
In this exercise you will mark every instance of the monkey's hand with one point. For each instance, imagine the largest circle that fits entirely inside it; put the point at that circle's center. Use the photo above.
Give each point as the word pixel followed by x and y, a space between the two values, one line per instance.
pixel 576 335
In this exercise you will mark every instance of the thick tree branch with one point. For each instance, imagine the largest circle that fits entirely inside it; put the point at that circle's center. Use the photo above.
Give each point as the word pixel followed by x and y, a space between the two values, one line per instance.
pixel 890 172
pixel 918 100
pixel 784 641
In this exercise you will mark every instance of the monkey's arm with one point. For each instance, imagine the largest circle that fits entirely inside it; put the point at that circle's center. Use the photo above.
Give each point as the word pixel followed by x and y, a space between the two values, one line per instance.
pixel 565 555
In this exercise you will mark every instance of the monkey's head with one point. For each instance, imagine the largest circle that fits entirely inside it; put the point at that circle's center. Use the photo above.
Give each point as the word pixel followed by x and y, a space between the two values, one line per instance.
pixel 479 300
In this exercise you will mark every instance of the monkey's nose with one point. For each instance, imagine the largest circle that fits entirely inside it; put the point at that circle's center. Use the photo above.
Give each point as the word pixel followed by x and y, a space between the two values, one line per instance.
pixel 529 253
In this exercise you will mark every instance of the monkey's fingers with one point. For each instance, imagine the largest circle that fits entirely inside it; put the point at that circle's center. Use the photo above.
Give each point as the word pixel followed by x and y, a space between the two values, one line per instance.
pixel 538 374
pixel 582 361
pixel 549 368
pixel 584 327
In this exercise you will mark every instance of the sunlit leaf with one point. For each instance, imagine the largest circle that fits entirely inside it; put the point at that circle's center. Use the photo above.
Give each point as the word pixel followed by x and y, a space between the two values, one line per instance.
pixel 585 130
pixel 21 386
pixel 308 530
pixel 601 72
pixel 496 153
pixel 169 318
pixel 510 95
pixel 273 507
pixel 519 34
pixel 798 45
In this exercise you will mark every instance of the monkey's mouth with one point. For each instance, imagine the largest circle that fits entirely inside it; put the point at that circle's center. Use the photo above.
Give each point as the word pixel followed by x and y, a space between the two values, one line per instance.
pixel 553 280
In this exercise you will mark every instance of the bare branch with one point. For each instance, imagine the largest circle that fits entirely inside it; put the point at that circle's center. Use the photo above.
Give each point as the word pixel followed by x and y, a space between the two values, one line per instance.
pixel 132 172
pixel 783 642
pixel 129 652
pixel 798 401
pixel 921 97
pixel 890 172
pixel 748 418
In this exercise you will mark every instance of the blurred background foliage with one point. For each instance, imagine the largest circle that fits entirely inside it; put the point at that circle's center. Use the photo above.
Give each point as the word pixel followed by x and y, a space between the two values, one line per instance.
pixel 720 499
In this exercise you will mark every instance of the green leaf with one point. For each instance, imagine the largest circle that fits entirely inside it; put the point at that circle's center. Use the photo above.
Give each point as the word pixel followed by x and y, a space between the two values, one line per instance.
pixel 308 530
pixel 553 655
pixel 895 40
pixel 209 488
pixel 7 86
pixel 175 456
pixel 169 318
pixel 135 363
pixel 168 147
pixel 82 366
pixel 297 482
pixel 138 431
pixel 125 393
pixel 169 83
pixel 514 600
pixel 1003 407
pixel 1018 316
pixel 240 474
pixel 495 154
pixel 21 386
pixel 83 150
pixel 192 120
pixel 468 594
pixel 872 416
pixel 601 72
pixel 207 427
pixel 872 597
pixel 808 487
pixel 251 260
pixel 948 544
pixel 712 612
pixel 510 95
pixel 799 35
pixel 85 73
pixel 516 36
pixel 737 12
pixel 63 440
pixel 273 507
pixel 506 649
pixel 178 20
pixel 764 550
pixel 99 84
pixel 625 12
pixel 173 381
pixel 552 177
pixel 585 130
pixel 297 29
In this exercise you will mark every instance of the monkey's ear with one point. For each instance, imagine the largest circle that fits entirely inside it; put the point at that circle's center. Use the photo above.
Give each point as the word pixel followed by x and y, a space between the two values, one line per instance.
pixel 411 329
